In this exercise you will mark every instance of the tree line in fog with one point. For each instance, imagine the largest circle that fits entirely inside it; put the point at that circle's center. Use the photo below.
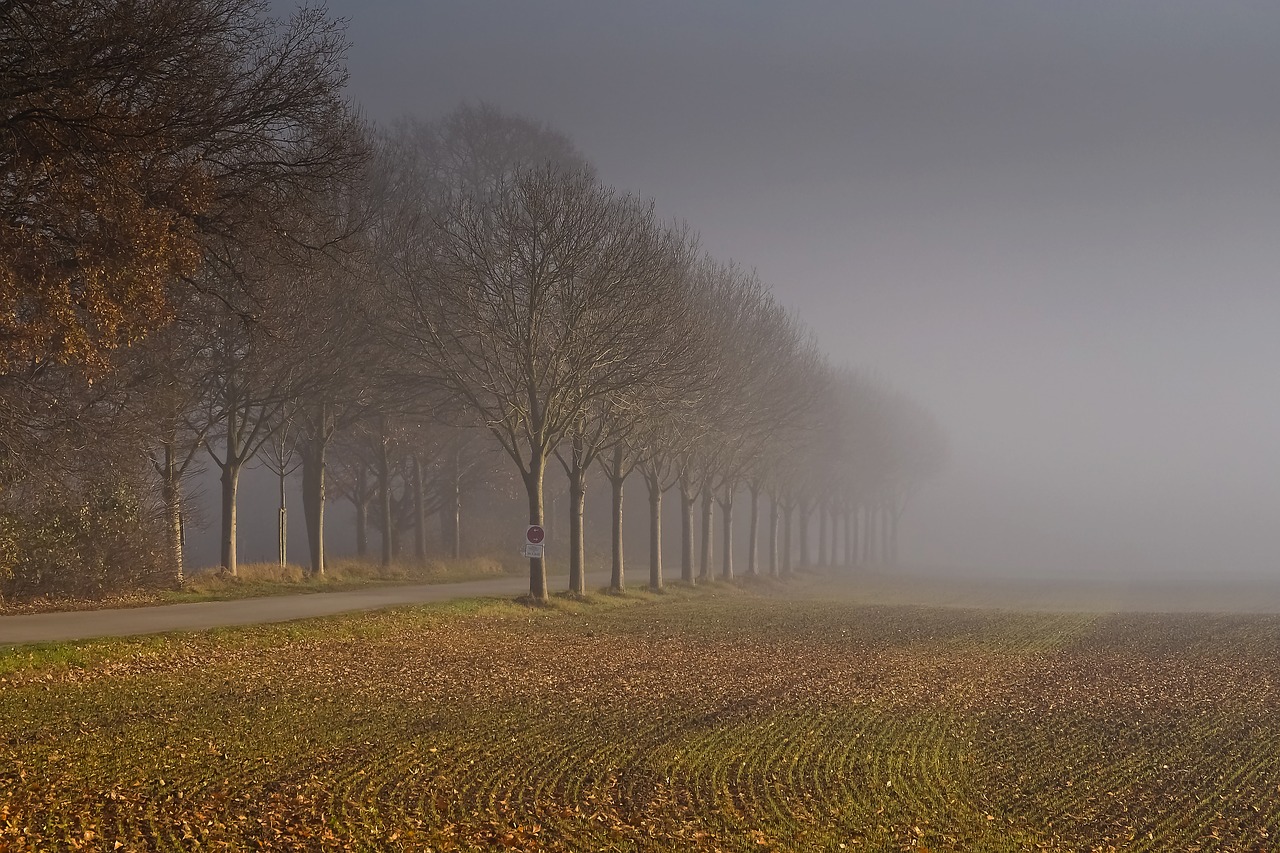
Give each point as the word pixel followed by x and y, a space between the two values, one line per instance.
pixel 210 259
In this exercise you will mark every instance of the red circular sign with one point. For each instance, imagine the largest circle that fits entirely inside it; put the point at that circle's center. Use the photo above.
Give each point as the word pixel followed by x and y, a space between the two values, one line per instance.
pixel 534 535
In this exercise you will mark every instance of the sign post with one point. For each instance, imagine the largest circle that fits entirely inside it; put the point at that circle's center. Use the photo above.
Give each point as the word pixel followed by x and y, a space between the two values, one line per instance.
pixel 533 541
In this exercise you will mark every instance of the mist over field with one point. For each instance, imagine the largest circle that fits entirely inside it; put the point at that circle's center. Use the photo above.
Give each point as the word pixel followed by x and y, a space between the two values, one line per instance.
pixel 1051 224
pixel 707 426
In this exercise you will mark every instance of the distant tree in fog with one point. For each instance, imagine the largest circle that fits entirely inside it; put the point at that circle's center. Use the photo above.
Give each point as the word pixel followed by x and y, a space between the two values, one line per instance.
pixel 916 451
pixel 344 359
pixel 740 305
pixel 784 380
pixel 255 374
pixel 755 355
pixel 676 375
pixel 468 461
pixel 350 469
pixel 870 450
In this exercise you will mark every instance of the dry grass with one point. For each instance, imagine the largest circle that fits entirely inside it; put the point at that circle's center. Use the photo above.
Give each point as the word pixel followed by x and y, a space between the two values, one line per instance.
pixel 260 579
pixel 256 579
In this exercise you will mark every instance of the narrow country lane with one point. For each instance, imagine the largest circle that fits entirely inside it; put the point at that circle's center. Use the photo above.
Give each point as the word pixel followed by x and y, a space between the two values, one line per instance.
pixel 197 616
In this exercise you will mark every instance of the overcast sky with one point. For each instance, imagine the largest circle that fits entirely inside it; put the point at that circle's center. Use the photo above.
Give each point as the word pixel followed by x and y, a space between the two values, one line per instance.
pixel 1053 223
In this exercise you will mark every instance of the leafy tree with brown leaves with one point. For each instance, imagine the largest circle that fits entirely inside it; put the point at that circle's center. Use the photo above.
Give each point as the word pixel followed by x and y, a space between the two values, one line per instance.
pixel 136 140
pixel 126 131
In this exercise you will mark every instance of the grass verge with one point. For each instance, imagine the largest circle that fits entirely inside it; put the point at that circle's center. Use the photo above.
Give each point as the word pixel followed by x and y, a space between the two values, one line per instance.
pixel 259 579
pixel 255 580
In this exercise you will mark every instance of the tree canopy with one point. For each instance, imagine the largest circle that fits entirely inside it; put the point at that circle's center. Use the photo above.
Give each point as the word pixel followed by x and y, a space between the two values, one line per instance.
pixel 128 130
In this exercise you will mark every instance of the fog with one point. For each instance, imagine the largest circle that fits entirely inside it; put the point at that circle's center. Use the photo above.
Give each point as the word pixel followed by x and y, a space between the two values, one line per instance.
pixel 1051 223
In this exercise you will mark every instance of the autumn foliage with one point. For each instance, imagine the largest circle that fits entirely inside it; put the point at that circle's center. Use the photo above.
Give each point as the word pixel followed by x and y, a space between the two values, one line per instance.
pixel 140 143
pixel 98 204
pixel 126 131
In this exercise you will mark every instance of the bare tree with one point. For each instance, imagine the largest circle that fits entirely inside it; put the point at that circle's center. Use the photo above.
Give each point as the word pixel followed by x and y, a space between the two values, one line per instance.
pixel 779 372
pixel 279 456
pixel 903 447
pixel 342 364
pixel 266 326
pixel 467 460
pixel 659 467
pixel 255 380
pixel 174 366
pixel 525 307
pixel 352 476
pixel 668 372
pixel 758 352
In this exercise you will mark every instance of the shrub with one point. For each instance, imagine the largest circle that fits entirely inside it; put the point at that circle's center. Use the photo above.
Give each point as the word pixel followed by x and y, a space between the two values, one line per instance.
pixel 83 542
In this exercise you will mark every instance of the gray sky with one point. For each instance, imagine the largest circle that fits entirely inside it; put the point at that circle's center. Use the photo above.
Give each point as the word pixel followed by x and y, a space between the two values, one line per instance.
pixel 1053 223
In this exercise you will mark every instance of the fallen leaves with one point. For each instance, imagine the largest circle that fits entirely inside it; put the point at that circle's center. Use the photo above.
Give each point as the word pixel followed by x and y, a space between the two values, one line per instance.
pixel 732 723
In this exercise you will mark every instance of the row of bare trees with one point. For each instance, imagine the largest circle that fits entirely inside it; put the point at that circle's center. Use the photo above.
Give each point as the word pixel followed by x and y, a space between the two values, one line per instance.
pixel 510 290
pixel 389 313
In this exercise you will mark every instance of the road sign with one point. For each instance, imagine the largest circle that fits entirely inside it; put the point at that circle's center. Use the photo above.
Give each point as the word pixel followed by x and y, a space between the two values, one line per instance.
pixel 533 551
pixel 535 534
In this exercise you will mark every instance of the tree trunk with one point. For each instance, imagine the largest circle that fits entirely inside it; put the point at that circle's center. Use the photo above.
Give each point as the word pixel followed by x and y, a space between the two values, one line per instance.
pixel 849 544
pixel 533 489
pixel 869 535
pixel 655 535
pixel 833 535
pixel 171 493
pixel 704 561
pixel 577 544
pixel 455 505
pixel 786 540
pixel 230 484
pixel 384 498
pixel 886 539
pixel 312 507
pixel 617 580
pixel 865 549
pixel 576 472
pixel 893 536
pixel 803 533
pixel 314 451
pixel 313 463
pixel 419 511
pixel 773 536
pixel 834 528
pixel 362 528
pixel 822 534
pixel 282 527
pixel 726 505
pixel 686 532
pixel 753 525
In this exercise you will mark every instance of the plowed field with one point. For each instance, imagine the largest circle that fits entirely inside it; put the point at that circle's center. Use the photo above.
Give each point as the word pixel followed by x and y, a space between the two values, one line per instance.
pixel 698 720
